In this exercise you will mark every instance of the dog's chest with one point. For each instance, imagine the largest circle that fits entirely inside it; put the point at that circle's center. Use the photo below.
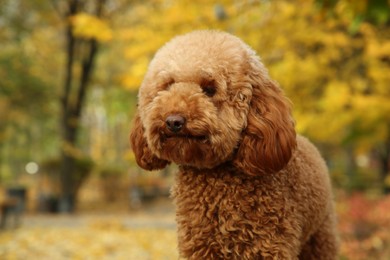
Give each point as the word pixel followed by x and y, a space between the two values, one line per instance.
pixel 217 212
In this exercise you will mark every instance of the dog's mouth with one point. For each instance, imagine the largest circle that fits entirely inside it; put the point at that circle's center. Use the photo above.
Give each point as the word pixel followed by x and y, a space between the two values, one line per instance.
pixel 200 138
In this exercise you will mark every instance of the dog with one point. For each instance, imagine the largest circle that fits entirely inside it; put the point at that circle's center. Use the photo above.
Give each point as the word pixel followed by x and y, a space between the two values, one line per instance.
pixel 248 186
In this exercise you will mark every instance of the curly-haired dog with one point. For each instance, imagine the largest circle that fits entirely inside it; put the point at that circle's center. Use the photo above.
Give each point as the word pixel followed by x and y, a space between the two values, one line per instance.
pixel 248 187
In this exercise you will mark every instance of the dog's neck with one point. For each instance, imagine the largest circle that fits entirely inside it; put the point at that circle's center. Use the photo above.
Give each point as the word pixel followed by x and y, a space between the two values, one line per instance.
pixel 221 167
pixel 226 168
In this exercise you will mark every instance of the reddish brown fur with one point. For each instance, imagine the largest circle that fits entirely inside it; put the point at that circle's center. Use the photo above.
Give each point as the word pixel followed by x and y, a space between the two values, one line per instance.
pixel 269 138
pixel 145 158
pixel 248 187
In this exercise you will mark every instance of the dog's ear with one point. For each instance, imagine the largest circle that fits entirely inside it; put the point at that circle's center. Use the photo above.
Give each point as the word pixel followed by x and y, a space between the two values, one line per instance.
pixel 269 139
pixel 143 155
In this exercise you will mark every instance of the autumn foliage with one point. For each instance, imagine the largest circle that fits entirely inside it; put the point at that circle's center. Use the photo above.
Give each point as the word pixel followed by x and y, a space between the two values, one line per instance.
pixel 364 226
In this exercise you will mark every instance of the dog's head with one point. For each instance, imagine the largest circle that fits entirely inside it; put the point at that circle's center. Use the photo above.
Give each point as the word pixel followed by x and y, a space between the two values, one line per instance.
pixel 207 99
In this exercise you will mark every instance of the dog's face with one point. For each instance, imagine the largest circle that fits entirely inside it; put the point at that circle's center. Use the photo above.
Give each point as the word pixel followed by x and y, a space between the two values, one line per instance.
pixel 195 101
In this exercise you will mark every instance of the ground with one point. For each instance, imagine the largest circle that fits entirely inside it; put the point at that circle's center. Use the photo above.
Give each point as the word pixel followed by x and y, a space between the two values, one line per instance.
pixel 144 234
pixel 150 233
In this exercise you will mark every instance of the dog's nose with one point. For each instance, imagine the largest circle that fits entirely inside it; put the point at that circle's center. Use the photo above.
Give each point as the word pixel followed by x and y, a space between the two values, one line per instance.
pixel 175 123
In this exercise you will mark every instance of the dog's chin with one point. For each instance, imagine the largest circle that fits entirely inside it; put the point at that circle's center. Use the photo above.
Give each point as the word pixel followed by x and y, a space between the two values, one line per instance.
pixel 189 150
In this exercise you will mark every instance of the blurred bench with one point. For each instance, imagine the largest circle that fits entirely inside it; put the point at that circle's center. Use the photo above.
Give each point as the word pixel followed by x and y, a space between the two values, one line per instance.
pixel 12 205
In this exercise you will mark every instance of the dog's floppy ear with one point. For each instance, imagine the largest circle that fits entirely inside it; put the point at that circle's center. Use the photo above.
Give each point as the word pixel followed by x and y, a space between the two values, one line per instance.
pixel 269 138
pixel 143 155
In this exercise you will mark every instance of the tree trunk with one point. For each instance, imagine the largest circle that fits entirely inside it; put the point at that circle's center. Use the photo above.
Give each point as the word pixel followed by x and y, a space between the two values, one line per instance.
pixel 68 128
pixel 72 102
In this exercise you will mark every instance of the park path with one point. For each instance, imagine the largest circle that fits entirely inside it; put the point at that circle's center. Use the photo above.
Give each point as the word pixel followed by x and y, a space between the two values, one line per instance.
pixel 155 215
pixel 130 220
pixel 145 234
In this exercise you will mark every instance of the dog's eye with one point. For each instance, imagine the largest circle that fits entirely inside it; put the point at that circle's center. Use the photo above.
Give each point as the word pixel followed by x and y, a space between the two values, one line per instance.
pixel 209 89
pixel 168 84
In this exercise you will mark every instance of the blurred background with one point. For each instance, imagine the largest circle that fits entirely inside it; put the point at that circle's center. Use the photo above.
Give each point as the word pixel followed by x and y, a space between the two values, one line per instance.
pixel 69 74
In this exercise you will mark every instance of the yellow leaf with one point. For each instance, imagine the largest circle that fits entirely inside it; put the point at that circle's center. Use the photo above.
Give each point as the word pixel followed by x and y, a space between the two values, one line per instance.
pixel 91 27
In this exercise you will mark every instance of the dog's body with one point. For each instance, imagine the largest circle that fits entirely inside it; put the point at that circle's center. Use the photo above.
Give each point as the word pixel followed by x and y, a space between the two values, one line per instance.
pixel 224 214
pixel 248 187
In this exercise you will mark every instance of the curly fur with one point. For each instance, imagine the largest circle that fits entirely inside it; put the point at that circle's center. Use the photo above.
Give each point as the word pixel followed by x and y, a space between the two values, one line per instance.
pixel 248 187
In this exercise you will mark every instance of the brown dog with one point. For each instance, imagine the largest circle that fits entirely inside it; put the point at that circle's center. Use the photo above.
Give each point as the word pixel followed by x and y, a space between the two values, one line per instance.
pixel 248 186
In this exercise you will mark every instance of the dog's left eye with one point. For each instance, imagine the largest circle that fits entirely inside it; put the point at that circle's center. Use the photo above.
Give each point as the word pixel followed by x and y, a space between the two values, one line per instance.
pixel 168 84
pixel 209 89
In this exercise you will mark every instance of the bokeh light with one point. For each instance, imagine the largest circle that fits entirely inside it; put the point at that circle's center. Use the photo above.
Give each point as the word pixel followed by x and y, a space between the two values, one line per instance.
pixel 32 168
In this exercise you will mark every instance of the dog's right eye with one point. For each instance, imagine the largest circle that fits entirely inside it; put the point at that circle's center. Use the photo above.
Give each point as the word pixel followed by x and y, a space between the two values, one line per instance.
pixel 209 89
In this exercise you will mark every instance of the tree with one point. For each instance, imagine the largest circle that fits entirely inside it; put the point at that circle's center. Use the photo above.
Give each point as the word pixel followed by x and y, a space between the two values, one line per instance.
pixel 82 33
pixel 30 66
